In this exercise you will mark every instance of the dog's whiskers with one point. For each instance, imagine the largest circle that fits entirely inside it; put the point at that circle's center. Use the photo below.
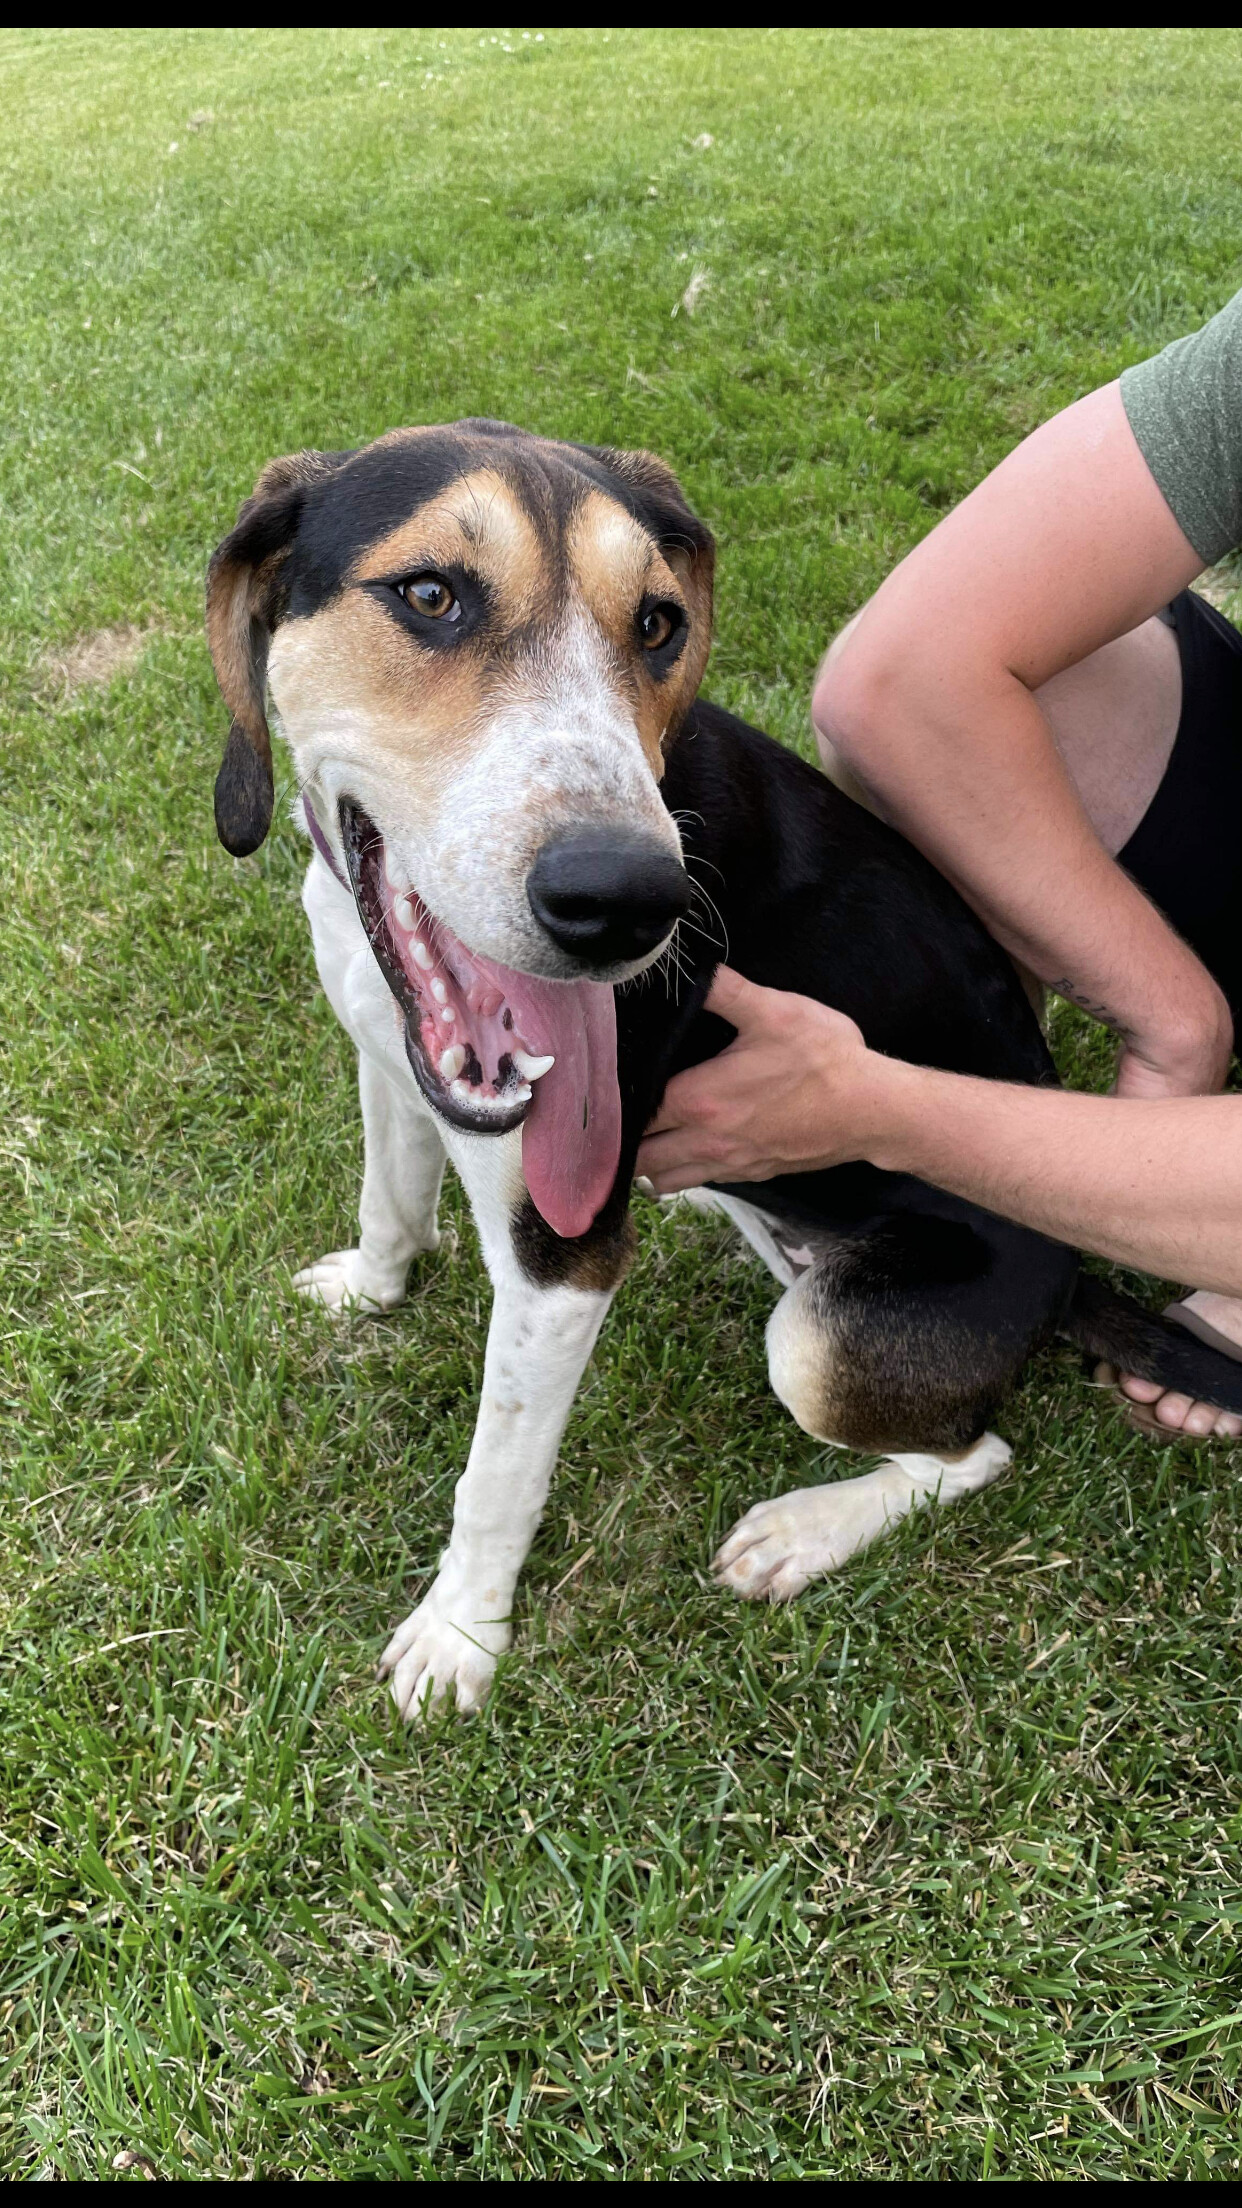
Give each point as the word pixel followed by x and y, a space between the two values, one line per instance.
pixel 702 895
pixel 718 935
pixel 671 961
pixel 703 912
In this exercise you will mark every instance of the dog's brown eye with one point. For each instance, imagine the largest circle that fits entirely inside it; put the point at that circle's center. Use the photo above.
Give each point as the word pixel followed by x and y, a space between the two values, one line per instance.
pixel 430 594
pixel 656 624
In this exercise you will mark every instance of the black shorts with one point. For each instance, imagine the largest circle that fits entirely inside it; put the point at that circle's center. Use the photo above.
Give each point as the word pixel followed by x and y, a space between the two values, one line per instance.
pixel 1186 853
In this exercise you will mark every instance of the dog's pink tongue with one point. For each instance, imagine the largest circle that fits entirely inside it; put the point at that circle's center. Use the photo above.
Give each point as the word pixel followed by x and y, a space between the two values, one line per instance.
pixel 571 1137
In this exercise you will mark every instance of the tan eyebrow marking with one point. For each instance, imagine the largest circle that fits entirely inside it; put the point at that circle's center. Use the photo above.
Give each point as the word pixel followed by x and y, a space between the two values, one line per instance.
pixel 476 518
pixel 614 563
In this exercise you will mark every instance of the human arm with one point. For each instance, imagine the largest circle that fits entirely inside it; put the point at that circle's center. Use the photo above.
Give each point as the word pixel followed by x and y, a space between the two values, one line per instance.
pixel 929 697
pixel 1154 1184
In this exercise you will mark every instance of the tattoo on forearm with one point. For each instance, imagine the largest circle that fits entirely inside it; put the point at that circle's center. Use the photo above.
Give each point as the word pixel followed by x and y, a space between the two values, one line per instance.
pixel 1065 988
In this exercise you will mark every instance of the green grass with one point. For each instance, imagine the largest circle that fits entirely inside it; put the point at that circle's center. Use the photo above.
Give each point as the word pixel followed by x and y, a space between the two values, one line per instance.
pixel 934 1874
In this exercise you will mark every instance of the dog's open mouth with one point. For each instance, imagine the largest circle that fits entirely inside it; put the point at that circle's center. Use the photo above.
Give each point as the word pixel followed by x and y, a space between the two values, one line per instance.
pixel 492 1048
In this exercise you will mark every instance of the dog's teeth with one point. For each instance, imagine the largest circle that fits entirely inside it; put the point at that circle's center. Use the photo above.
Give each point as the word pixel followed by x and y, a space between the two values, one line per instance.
pixel 451 1063
pixel 438 991
pixel 404 911
pixel 422 956
pixel 448 1015
pixel 532 1069
pixel 460 1091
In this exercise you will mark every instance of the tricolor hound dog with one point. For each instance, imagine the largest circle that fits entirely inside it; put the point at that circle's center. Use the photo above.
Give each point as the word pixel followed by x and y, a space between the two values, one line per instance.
pixel 484 650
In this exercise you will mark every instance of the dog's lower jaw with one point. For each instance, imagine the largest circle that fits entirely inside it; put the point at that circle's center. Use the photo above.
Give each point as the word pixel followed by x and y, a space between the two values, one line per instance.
pixel 442 1023
pixel 479 1036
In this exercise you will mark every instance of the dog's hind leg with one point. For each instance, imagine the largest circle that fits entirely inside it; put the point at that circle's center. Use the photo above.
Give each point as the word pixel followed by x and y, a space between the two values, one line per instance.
pixel 901 1340
pixel 538 1345
pixel 781 1545
pixel 404 1165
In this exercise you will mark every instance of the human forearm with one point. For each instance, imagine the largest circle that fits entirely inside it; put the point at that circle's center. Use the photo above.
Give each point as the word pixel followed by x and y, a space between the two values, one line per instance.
pixel 933 699
pixel 980 788
pixel 1155 1185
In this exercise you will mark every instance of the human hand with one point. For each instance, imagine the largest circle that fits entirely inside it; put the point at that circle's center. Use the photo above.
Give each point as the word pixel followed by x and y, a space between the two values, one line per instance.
pixel 790 1095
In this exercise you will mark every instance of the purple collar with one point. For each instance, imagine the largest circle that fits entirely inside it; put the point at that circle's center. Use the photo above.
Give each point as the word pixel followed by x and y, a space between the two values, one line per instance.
pixel 321 843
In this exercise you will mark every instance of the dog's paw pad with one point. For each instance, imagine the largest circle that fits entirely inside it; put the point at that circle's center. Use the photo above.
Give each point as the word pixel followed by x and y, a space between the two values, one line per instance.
pixel 343 1282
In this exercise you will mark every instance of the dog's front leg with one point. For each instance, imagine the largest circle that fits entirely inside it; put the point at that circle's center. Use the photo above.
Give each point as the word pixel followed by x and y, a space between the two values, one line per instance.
pixel 402 1171
pixel 537 1348
pixel 403 1152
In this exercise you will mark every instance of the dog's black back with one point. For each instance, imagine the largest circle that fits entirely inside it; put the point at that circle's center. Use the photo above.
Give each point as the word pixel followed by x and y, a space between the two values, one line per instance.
pixel 819 896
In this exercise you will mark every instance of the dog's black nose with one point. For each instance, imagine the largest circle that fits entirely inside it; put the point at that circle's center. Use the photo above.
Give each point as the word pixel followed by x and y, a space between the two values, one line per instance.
pixel 607 895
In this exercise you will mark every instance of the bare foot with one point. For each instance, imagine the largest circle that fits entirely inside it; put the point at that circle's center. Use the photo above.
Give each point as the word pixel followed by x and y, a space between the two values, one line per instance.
pixel 1180 1413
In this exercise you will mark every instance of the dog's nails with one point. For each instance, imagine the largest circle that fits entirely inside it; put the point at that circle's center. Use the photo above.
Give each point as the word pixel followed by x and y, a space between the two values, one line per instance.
pixel 452 1061
pixel 422 956
pixel 532 1069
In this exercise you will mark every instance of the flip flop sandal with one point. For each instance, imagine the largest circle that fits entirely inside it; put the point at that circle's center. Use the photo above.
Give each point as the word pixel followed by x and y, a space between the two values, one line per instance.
pixel 1141 1416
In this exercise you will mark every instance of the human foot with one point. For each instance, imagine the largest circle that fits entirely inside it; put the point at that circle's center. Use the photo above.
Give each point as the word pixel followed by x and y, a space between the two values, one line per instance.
pixel 1163 1409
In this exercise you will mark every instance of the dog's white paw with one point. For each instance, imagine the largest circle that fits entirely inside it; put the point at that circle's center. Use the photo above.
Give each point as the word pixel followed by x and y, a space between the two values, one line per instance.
pixel 343 1281
pixel 779 1547
pixel 448 1646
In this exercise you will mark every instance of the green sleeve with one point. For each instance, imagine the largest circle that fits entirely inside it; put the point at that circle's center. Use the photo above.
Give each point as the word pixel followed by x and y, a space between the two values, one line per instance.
pixel 1185 408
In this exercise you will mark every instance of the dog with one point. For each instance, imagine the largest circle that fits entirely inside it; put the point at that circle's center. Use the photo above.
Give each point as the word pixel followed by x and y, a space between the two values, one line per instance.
pixel 484 649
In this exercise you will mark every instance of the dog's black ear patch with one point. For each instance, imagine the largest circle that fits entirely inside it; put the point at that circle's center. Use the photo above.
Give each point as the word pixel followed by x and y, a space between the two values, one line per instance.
pixel 245 602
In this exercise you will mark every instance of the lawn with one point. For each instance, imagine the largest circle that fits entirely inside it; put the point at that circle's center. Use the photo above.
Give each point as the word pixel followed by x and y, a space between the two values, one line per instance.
pixel 934 1874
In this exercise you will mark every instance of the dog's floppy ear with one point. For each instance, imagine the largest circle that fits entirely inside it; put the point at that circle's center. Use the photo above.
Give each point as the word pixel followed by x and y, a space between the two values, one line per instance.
pixel 245 601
